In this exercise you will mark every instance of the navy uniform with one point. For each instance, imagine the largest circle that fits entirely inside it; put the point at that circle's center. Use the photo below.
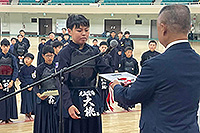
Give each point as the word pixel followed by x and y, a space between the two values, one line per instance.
pixel 50 41
pixel 129 65
pixel 148 55
pixel 8 72
pixel 20 49
pixel 40 59
pixel 28 98
pixel 79 88
pixel 45 121
pixel 128 43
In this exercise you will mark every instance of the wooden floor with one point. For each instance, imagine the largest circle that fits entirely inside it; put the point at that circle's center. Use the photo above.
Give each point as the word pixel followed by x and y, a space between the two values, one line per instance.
pixel 118 121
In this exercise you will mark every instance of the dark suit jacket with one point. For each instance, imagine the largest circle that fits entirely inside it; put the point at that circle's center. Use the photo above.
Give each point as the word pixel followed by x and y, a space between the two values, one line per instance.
pixel 168 89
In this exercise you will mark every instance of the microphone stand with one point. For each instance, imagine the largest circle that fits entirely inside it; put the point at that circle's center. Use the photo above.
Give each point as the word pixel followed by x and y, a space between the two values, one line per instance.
pixel 60 73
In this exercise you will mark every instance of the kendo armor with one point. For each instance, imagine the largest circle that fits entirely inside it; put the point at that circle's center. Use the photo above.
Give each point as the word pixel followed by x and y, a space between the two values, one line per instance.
pixel 21 49
pixel 129 66
pixel 6 71
pixel 85 76
pixel 49 84
pixel 127 43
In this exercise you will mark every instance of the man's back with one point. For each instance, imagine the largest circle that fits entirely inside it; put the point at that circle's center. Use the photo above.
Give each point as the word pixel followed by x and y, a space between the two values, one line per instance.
pixel 173 105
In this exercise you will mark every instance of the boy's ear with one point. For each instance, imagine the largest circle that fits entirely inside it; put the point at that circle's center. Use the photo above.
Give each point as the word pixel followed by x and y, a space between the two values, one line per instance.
pixel 69 31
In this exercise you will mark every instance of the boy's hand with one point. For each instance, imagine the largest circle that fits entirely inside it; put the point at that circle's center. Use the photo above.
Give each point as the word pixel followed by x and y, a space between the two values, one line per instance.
pixel 30 89
pixel 73 111
pixel 10 84
pixel 41 97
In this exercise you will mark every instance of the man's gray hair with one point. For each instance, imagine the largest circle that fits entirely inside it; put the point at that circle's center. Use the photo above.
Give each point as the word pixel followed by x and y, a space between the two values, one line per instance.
pixel 176 17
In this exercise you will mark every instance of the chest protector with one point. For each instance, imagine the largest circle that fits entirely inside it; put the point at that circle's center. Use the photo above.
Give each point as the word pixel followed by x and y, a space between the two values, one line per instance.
pixel 48 84
pixel 127 42
pixel 85 76
pixel 6 68
pixel 21 49
pixel 106 59
pixel 129 66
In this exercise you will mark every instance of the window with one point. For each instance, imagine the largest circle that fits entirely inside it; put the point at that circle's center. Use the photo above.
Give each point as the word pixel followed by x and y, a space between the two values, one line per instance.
pixel 138 21
pixel 33 20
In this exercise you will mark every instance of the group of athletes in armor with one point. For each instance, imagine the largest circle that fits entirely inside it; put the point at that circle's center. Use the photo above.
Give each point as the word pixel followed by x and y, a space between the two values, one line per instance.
pixel 84 100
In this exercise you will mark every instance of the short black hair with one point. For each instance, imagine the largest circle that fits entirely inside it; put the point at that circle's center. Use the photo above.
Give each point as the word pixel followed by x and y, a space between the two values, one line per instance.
pixel 95 40
pixel 22 31
pixel 5 42
pixel 13 38
pixel 128 48
pixel 120 32
pixel 51 32
pixel 56 44
pixel 112 31
pixel 43 39
pixel 47 49
pixel 127 32
pixel 152 41
pixel 103 43
pixel 77 20
pixel 66 34
pixel 64 29
pixel 19 35
pixel 29 55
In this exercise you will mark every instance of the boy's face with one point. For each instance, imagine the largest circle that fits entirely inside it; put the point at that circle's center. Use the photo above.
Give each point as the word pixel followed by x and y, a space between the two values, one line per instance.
pixel 20 38
pixel 113 34
pixel 103 48
pixel 63 31
pixel 48 58
pixel 129 53
pixel 57 49
pixel 95 43
pixel 126 35
pixel 28 61
pixel 79 35
pixel 59 38
pixel 5 49
pixel 66 37
pixel 13 41
pixel 152 46
pixel 43 41
pixel 51 36
pixel 120 35
pixel 22 33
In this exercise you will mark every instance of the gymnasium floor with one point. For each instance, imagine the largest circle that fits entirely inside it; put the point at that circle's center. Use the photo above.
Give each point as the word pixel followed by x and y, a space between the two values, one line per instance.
pixel 118 121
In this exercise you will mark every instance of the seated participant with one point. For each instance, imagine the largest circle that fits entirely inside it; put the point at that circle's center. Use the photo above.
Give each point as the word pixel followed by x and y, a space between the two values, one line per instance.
pixel 8 75
pixel 150 53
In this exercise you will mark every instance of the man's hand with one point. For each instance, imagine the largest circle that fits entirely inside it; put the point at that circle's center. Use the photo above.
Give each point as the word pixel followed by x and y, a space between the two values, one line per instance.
pixel 30 89
pixel 1 87
pixel 115 82
pixel 10 84
pixel 73 111
pixel 41 97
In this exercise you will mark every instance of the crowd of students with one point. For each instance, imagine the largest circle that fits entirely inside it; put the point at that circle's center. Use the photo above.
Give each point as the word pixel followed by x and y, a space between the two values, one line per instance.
pixel 16 62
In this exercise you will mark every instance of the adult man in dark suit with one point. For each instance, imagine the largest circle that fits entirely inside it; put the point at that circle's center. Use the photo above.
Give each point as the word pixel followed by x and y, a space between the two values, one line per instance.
pixel 168 87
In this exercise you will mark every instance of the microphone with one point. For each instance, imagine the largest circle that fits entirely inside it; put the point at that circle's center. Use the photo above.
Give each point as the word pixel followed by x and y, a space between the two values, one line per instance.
pixel 113 44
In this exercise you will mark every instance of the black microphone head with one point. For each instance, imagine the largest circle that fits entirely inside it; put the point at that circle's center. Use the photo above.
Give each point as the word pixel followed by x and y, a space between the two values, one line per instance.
pixel 113 43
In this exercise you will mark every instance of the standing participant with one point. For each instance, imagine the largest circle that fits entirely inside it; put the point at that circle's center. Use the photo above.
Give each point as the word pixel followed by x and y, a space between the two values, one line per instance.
pixel 128 63
pixel 151 53
pixel 80 97
pixel 168 87
pixel 57 46
pixel 45 120
pixel 13 42
pixel 25 40
pixel 20 49
pixel 8 75
pixel 103 84
pixel 28 97
pixel 119 48
pixel 40 59
pixel 127 41
pixel 66 39
pixel 51 38
pixel 95 42
pixel 64 31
